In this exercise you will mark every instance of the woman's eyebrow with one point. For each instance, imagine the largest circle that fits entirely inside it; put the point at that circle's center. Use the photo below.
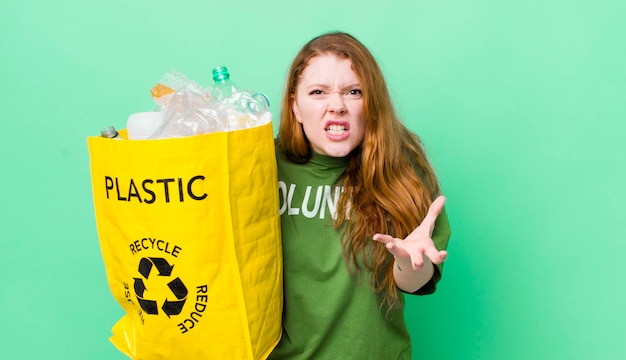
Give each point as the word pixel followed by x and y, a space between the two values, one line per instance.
pixel 326 87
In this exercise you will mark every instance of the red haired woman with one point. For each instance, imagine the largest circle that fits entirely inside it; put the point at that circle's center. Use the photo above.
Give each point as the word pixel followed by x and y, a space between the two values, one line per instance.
pixel 349 174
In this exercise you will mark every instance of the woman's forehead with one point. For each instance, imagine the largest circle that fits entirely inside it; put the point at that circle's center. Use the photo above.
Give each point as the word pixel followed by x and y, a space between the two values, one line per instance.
pixel 328 69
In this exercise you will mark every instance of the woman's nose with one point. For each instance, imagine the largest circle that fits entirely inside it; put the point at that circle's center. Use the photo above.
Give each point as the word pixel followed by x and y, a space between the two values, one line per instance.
pixel 335 103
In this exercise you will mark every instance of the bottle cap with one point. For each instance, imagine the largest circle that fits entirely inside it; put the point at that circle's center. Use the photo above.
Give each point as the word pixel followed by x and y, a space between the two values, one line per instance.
pixel 109 132
pixel 220 73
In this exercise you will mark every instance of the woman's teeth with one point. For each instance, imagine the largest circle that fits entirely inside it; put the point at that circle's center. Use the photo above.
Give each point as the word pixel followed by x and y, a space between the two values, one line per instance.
pixel 336 129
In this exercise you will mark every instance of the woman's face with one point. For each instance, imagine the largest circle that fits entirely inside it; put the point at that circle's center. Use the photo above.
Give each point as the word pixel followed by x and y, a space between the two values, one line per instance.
pixel 329 105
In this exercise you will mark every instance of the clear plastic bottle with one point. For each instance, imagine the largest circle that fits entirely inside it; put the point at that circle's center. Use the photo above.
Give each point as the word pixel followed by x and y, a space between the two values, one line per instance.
pixel 110 132
pixel 240 108
pixel 223 87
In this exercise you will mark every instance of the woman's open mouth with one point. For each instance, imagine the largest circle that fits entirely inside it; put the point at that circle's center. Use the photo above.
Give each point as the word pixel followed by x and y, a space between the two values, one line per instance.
pixel 335 129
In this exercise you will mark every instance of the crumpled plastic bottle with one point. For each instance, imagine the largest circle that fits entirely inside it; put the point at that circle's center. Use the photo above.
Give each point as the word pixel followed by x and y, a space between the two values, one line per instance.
pixel 189 112
pixel 241 108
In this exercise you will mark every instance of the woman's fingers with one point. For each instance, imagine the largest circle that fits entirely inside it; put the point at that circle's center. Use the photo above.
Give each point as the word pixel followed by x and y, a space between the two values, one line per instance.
pixel 393 245
pixel 433 212
pixel 435 255
pixel 383 238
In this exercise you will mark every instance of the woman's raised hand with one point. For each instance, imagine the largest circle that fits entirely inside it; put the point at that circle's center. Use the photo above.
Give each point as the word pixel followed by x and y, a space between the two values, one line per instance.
pixel 418 244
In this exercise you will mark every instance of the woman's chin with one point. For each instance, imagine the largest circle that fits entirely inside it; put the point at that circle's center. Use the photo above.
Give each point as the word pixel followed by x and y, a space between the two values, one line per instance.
pixel 337 151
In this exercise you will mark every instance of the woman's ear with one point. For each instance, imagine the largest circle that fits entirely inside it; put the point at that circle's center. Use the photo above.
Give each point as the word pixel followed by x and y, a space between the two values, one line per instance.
pixel 295 109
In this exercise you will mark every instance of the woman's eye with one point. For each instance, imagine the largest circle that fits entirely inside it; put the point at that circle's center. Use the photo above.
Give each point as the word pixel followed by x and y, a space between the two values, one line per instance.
pixel 316 92
pixel 355 93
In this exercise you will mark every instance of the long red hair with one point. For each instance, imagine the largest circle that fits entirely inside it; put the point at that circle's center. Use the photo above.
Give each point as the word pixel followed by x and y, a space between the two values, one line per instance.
pixel 389 182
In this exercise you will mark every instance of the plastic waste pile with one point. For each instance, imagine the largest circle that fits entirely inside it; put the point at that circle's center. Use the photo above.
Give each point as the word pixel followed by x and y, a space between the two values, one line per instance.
pixel 186 108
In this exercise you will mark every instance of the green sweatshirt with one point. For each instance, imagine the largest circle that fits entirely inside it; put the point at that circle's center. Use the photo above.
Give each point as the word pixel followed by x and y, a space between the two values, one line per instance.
pixel 329 314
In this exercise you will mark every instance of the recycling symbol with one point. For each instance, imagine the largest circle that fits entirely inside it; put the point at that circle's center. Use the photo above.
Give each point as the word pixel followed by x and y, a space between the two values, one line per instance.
pixel 172 305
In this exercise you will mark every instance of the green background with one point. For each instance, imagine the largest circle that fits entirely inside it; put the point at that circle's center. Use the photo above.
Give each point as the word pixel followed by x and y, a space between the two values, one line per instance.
pixel 521 106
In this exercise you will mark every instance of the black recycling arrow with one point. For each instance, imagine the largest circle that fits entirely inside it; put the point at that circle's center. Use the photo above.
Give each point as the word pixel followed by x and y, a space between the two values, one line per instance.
pixel 178 288
pixel 173 307
pixel 180 291
pixel 140 287
pixel 145 265
pixel 165 269
pixel 149 306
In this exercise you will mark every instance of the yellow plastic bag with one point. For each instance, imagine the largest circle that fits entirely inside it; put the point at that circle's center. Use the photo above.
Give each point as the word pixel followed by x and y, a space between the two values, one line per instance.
pixel 190 237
